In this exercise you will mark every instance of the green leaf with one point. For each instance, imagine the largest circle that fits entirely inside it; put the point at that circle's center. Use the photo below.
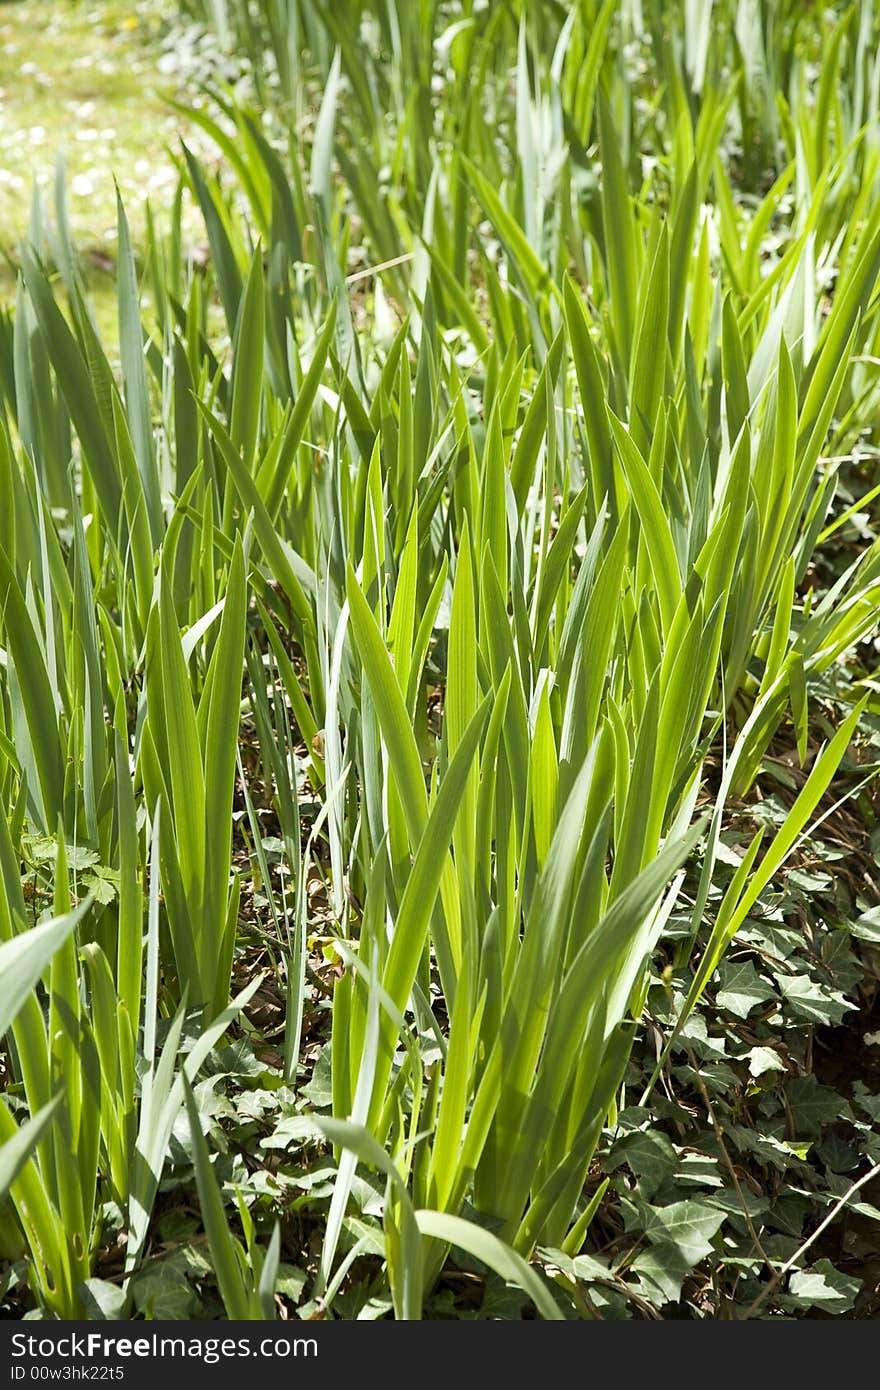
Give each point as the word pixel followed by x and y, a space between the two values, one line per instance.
pixel 137 401
pixel 655 526
pixel 741 988
pixel 619 230
pixel 536 279
pixel 388 700
pixel 24 959
pixel 15 1152
pixel 229 278
pixel 689 1227
pixel 650 348
pixel 247 365
pixel 813 1000
pixel 813 1105
pixel 593 398
pixel 37 698
pixel 79 391
pixel 764 1059
pixel 823 1286
pixel 650 1156
pixel 103 1301
pixel 485 1246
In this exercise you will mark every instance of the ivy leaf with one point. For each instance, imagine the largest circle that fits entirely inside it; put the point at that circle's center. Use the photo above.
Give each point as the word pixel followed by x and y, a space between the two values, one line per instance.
pixel 661 1271
pixel 840 1155
pixel 733 1202
pixel 766 1148
pixel 800 1148
pixel 764 1059
pixel 290 1281
pixel 291 1129
pixel 867 1102
pixel 700 1170
pixel 773 937
pixel 823 1286
pixel 809 882
pixel 650 1156
pixel 104 1302
pixel 687 1226
pixel 680 1235
pixel 742 988
pixel 867 927
pixel 162 1292
pixel 319 1090
pixel 814 1105
pixel 813 1000
pixel 706 1048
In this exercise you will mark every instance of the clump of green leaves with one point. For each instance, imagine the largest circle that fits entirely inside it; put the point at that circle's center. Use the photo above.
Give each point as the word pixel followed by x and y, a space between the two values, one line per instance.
pixel 458 583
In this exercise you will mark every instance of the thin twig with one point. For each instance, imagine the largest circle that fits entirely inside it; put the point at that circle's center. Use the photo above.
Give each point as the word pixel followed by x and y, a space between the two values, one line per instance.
pixel 375 269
